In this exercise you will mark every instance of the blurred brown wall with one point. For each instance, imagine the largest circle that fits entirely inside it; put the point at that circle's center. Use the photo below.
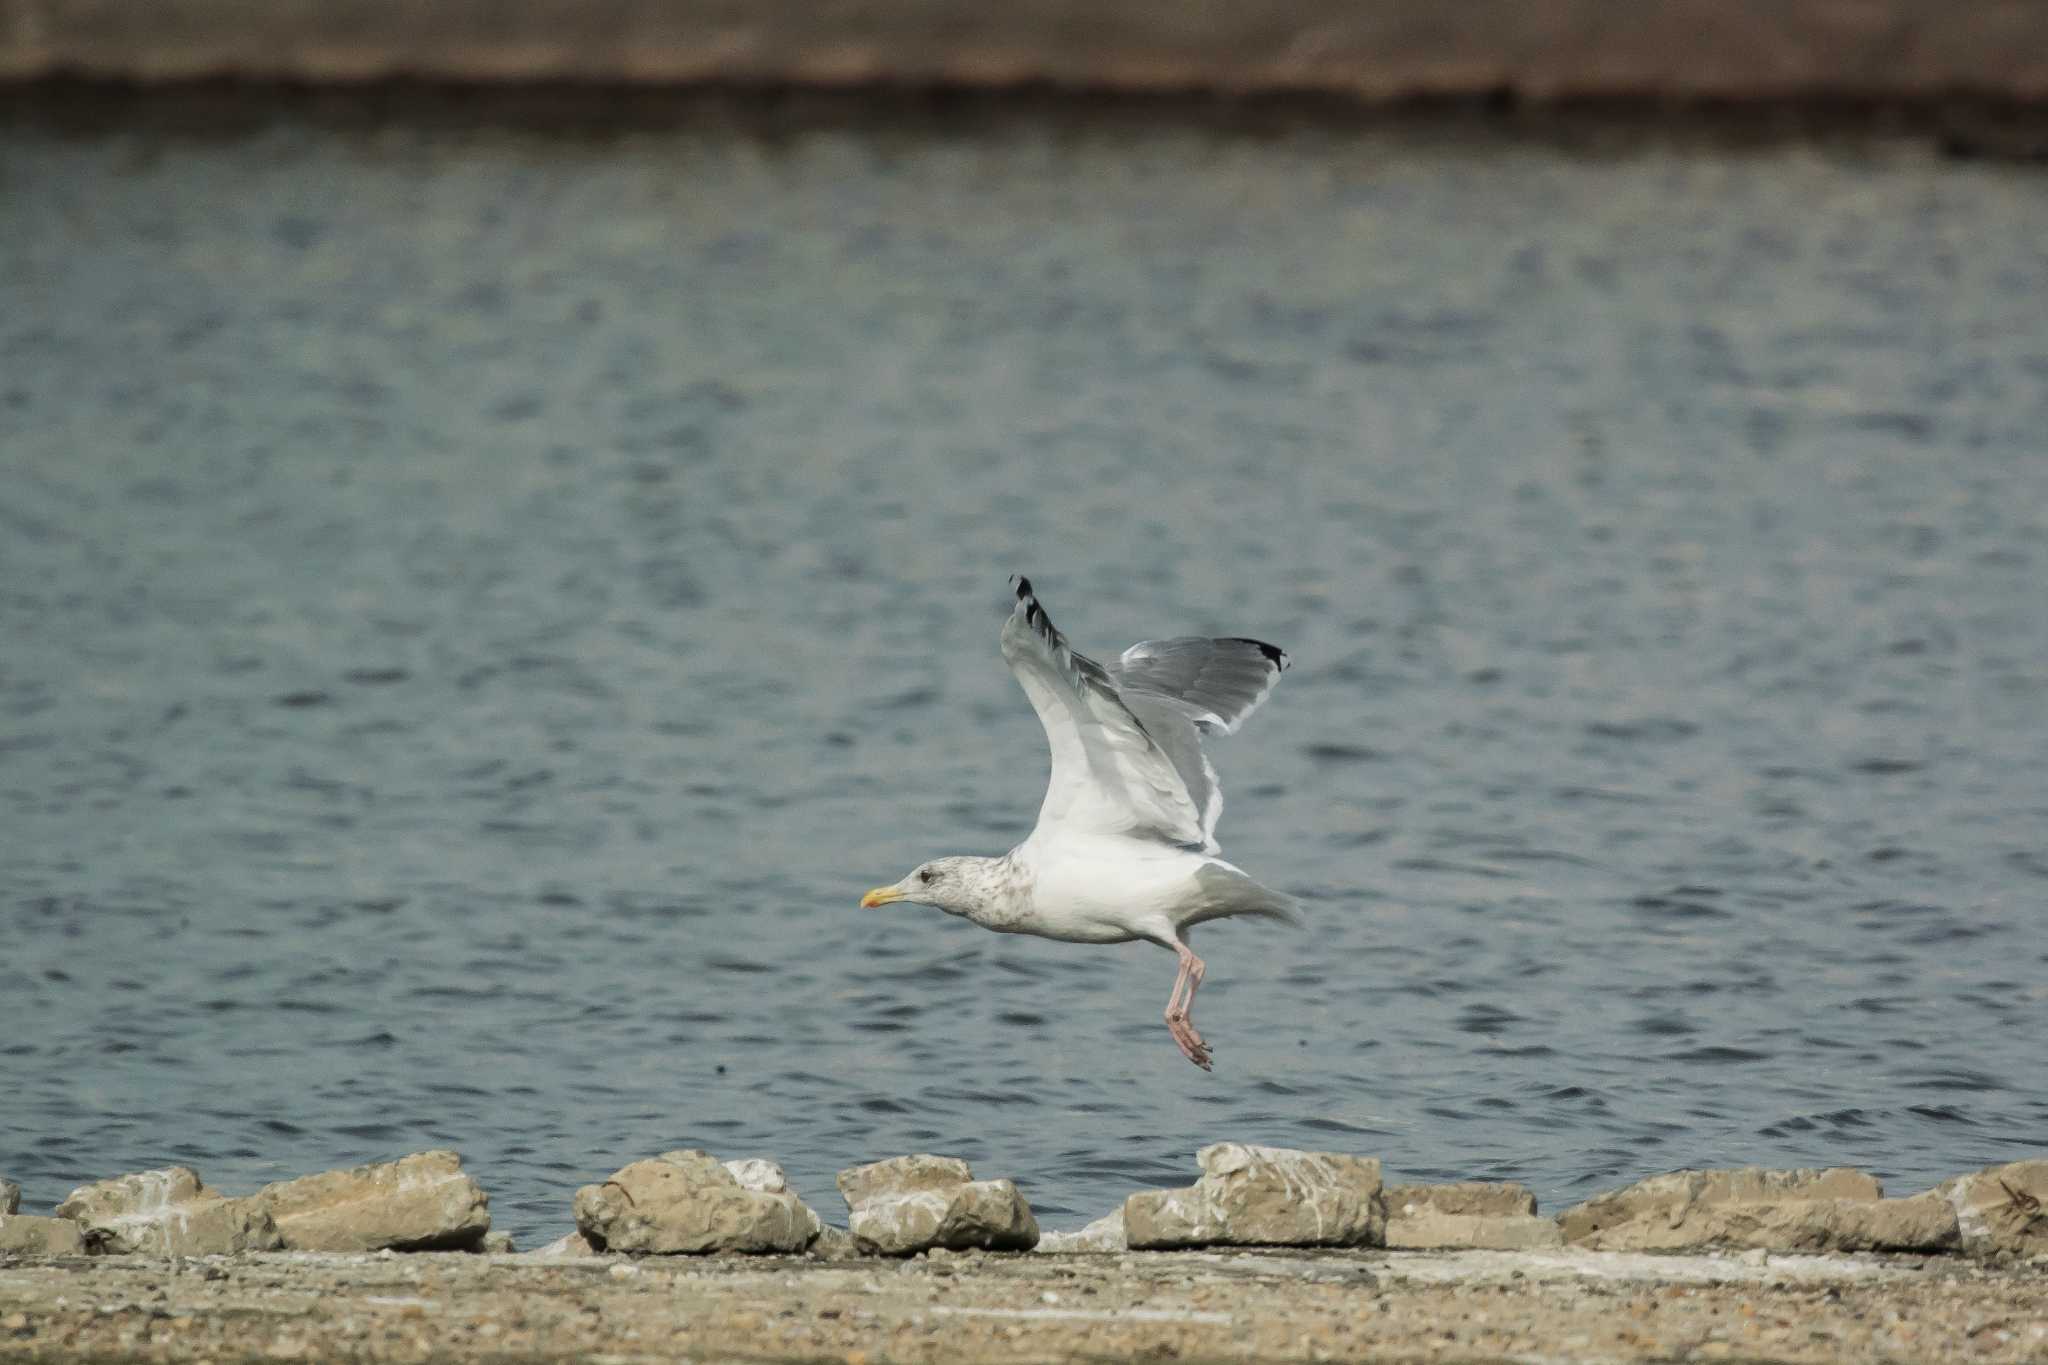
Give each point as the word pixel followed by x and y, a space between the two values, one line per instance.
pixel 1373 49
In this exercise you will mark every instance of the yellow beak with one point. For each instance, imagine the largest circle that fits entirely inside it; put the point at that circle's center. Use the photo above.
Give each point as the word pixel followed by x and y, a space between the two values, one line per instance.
pixel 881 895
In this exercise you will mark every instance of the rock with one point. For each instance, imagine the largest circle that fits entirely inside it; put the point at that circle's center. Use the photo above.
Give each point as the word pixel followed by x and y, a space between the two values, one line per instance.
pixel 25 1234
pixel 1469 1214
pixel 1922 1223
pixel 169 1212
pixel 687 1203
pixel 497 1244
pixel 1669 1196
pixel 1104 1234
pixel 1495 1199
pixel 835 1244
pixel 2001 1208
pixel 10 1197
pixel 1801 1210
pixel 570 1245
pixel 1472 1231
pixel 423 1202
pixel 758 1174
pixel 1264 1196
pixel 909 1204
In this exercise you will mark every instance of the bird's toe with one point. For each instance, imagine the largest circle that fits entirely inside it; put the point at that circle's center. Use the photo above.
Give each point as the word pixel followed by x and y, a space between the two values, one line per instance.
pixel 1190 1044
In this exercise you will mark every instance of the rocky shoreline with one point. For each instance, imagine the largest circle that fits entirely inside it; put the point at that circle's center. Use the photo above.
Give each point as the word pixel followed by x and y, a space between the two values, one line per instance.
pixel 1271 1254
pixel 684 1203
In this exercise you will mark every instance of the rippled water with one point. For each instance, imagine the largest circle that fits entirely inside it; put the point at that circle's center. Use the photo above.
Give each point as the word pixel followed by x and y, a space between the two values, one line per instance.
pixel 478 607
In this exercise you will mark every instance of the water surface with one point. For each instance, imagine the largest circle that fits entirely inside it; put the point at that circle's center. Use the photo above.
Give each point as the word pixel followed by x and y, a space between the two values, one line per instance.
pixel 479 607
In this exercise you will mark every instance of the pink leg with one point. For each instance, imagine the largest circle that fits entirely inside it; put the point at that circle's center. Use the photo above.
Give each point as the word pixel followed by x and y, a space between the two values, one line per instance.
pixel 1179 984
pixel 1173 1024
pixel 1178 1007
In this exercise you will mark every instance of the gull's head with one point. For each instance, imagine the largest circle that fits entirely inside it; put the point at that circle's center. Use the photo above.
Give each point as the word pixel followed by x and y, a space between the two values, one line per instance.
pixel 955 885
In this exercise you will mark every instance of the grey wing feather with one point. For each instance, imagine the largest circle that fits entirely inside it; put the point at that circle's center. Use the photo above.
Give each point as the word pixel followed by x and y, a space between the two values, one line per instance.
pixel 1214 683
pixel 1183 688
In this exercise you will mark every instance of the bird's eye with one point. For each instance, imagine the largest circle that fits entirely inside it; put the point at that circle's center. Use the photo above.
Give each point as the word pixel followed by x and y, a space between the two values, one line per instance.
pixel 927 876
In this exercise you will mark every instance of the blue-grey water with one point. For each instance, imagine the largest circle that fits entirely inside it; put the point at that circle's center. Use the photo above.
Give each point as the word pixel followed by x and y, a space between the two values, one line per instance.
pixel 477 608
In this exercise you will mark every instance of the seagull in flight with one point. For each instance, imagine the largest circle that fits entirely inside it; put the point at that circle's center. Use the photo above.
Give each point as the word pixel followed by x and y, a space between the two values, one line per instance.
pixel 1125 846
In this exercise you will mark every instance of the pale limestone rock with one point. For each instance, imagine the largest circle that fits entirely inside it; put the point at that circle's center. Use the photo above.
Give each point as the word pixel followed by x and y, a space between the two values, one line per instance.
pixel 2001 1208
pixel 1922 1223
pixel 835 1244
pixel 25 1234
pixel 762 1176
pixel 902 1174
pixel 758 1174
pixel 1104 1234
pixel 569 1246
pixel 687 1203
pixel 909 1204
pixel 1427 1228
pixel 1264 1196
pixel 1491 1198
pixel 1753 1209
pixel 422 1202
pixel 169 1212
pixel 1669 1197
pixel 496 1243
pixel 1468 1214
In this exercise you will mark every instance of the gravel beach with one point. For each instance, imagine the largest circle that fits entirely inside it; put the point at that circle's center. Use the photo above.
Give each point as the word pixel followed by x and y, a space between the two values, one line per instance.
pixel 1187 1306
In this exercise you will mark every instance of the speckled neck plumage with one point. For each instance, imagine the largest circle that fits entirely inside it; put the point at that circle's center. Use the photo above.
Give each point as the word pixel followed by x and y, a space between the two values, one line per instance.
pixel 1002 892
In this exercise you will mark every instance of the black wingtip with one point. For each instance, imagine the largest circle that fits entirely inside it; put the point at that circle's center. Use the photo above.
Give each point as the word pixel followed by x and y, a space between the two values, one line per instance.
pixel 1034 613
pixel 1275 655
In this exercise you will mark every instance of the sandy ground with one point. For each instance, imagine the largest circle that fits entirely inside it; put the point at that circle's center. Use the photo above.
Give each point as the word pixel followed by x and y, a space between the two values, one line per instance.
pixel 1180 1306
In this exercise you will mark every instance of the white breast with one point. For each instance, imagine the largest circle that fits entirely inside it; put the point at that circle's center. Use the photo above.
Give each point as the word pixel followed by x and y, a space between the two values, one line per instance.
pixel 1105 889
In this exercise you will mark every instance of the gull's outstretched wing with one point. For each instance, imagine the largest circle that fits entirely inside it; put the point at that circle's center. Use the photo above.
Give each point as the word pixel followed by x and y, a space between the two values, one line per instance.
pixel 1109 773
pixel 1214 683
pixel 1187 687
